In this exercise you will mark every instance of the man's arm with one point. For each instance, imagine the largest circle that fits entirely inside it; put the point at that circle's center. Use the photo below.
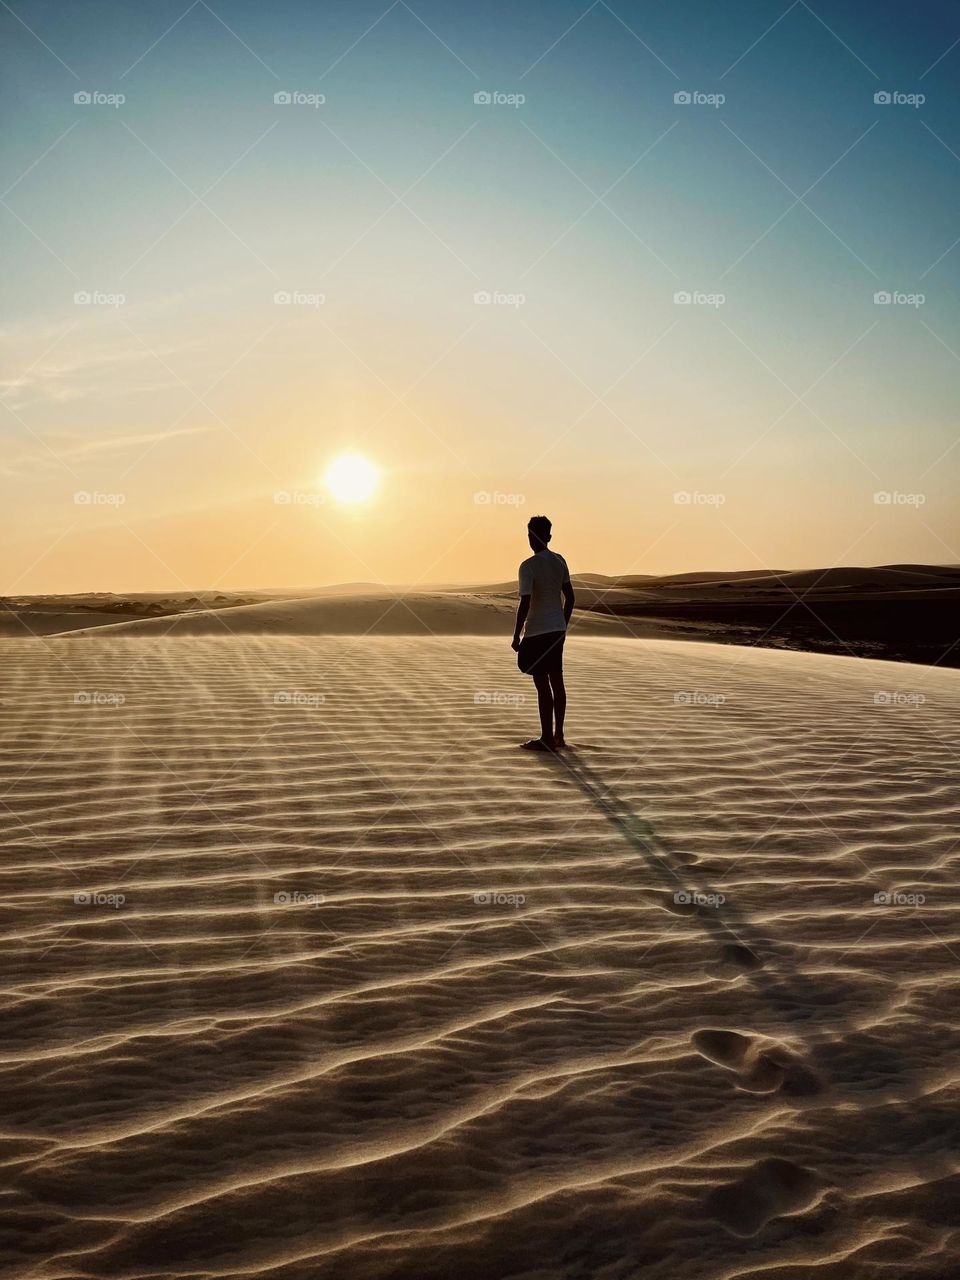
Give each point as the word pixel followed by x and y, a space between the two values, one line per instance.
pixel 569 599
pixel 522 610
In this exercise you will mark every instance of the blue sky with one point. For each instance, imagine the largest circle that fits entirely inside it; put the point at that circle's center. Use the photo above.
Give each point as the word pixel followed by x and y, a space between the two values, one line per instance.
pixel 783 396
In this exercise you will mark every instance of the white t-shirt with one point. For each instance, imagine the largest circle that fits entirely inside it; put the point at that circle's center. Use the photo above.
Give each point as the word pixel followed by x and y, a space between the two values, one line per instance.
pixel 541 578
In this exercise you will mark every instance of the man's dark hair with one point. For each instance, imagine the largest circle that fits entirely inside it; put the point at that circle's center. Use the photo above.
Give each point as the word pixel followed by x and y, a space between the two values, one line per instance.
pixel 540 527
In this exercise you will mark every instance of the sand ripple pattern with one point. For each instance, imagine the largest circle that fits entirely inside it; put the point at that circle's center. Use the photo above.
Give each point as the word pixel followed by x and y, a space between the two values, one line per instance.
pixel 308 972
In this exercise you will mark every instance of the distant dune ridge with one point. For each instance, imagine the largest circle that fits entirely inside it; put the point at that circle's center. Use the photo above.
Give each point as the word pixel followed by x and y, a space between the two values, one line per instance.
pixel 381 613
pixel 902 612
pixel 310 973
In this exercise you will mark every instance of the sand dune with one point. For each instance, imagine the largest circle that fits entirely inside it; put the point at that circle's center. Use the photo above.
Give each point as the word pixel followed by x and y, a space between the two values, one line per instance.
pixel 900 612
pixel 378 613
pixel 386 997
pixel 696 584
pixel 811 583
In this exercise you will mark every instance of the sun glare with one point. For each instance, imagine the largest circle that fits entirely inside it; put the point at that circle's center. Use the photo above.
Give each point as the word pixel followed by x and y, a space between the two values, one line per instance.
pixel 351 478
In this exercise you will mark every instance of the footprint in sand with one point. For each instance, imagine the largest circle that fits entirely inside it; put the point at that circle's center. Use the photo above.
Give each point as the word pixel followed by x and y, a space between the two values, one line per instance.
pixel 740 958
pixel 736 957
pixel 685 859
pixel 762 1066
pixel 679 905
pixel 770 1189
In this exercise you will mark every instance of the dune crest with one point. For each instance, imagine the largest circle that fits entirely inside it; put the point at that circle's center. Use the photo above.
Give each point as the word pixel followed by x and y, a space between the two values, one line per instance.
pixel 382 612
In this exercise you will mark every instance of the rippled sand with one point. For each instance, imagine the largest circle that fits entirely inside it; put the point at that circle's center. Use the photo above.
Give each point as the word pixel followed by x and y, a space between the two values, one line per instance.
pixel 387 997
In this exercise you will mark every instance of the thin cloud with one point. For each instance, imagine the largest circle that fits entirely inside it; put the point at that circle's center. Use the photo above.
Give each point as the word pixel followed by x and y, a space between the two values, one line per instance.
pixel 68 448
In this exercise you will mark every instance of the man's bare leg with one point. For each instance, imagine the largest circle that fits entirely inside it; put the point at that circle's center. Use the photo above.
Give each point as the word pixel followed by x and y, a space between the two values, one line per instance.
pixel 545 706
pixel 559 690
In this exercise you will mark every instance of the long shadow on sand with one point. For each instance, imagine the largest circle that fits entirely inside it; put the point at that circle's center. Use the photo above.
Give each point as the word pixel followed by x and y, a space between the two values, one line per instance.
pixel 842 1045
pixel 836 1051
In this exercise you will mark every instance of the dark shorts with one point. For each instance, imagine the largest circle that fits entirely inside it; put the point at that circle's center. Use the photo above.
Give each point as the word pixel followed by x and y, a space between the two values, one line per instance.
pixel 542 654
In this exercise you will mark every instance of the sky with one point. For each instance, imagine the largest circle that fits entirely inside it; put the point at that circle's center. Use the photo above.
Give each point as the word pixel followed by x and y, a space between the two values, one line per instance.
pixel 684 277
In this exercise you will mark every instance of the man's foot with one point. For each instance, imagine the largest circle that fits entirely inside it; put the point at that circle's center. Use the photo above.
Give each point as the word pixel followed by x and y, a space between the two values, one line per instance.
pixel 558 743
pixel 537 744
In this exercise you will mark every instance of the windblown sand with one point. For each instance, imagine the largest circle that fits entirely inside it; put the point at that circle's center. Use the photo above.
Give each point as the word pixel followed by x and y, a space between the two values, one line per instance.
pixel 387 997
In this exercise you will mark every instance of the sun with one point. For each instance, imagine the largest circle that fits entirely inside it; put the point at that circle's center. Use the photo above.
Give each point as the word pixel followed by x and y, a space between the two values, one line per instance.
pixel 351 478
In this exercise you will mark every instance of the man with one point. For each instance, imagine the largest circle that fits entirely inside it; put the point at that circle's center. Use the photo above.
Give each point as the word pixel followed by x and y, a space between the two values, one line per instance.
pixel 546 603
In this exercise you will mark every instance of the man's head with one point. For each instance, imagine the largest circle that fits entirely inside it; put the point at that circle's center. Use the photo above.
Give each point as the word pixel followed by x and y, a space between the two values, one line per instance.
pixel 538 532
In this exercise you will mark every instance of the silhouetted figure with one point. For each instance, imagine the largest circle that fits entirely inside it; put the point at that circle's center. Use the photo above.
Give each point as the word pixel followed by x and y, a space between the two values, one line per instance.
pixel 546 603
